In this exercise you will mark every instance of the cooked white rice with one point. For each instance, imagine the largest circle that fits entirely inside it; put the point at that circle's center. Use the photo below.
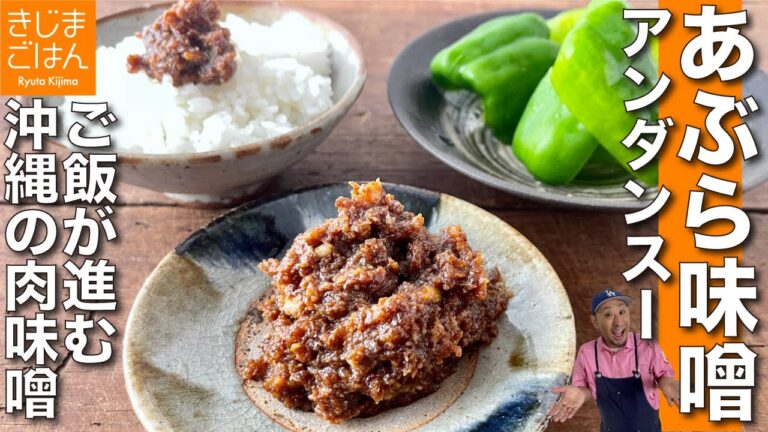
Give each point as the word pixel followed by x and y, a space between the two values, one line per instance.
pixel 282 81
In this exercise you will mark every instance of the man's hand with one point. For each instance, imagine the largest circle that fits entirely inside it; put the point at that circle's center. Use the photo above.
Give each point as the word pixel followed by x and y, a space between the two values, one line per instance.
pixel 571 399
pixel 671 389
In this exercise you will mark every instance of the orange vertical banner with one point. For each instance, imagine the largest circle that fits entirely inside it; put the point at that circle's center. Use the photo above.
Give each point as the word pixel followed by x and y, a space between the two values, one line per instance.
pixel 48 48
pixel 680 177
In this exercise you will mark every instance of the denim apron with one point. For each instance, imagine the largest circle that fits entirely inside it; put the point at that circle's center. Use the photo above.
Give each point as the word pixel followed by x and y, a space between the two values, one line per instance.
pixel 622 402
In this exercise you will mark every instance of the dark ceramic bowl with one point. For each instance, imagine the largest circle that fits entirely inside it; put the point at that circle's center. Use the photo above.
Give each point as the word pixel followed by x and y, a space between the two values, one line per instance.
pixel 449 125
pixel 179 354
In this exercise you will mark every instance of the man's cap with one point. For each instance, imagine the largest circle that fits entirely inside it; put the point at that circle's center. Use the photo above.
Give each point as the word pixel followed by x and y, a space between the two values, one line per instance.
pixel 608 294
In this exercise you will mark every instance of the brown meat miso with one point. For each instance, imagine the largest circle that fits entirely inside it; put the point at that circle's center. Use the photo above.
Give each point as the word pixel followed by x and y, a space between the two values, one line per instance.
pixel 370 311
pixel 187 44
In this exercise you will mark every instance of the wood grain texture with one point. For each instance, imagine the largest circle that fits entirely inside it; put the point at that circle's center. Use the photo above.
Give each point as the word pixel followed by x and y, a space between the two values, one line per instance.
pixel 586 249
pixel 370 134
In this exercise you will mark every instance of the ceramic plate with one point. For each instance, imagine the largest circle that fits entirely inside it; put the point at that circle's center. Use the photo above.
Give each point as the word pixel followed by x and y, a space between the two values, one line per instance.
pixel 179 341
pixel 449 125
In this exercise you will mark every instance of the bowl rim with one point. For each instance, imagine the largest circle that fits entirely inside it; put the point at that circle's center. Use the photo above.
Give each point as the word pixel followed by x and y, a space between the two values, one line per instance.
pixel 339 108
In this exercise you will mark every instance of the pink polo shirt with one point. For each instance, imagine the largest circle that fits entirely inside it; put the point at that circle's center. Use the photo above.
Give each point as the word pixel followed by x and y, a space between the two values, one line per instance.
pixel 620 364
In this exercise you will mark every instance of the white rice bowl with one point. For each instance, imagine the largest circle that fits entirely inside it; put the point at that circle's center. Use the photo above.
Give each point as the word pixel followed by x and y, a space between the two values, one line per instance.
pixel 282 82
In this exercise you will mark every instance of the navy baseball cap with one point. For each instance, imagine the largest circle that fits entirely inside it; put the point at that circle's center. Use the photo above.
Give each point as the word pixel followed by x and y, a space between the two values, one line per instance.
pixel 608 294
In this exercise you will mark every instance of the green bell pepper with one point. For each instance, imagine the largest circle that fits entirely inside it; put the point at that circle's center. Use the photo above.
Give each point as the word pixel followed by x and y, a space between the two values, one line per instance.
pixel 549 141
pixel 562 23
pixel 654 44
pixel 484 39
pixel 601 169
pixel 506 78
pixel 588 76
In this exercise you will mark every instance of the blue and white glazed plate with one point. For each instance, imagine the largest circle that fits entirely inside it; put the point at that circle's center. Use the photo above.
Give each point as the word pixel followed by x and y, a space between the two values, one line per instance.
pixel 179 353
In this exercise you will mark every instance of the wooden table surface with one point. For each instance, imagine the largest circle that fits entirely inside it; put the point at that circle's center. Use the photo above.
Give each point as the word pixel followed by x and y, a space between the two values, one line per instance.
pixel 587 249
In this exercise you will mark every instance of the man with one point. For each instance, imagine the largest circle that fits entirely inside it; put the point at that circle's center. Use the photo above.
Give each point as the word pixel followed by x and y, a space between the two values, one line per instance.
pixel 620 371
